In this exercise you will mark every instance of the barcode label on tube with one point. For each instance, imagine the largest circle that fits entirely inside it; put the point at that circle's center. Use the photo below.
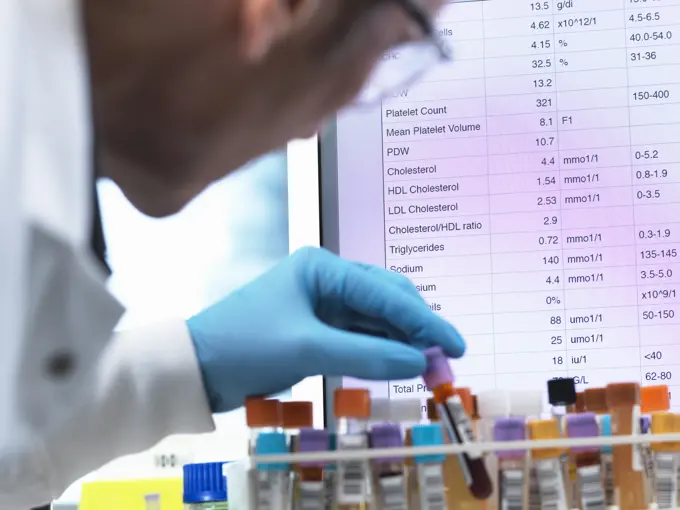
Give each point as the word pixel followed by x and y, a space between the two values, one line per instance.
pixel 551 485
pixel 666 481
pixel 311 496
pixel 638 461
pixel 462 423
pixel 329 478
pixel 393 493
pixel 431 487
pixel 269 490
pixel 534 492
pixel 352 475
pixel 608 476
pixel 590 485
pixel 512 489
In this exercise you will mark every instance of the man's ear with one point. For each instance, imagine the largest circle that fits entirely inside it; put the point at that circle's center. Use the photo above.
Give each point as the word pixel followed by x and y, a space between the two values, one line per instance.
pixel 263 22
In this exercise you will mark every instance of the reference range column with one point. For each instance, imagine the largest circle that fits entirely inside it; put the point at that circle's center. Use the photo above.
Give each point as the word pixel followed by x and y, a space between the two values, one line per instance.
pixel 653 42
pixel 436 202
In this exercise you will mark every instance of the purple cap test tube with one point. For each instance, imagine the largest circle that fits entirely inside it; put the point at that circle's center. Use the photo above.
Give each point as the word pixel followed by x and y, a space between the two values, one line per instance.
pixel 583 425
pixel 645 424
pixel 509 429
pixel 438 370
pixel 386 435
pixel 313 440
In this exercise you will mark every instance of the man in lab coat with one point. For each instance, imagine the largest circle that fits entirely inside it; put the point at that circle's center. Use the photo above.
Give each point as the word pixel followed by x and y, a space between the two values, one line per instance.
pixel 172 94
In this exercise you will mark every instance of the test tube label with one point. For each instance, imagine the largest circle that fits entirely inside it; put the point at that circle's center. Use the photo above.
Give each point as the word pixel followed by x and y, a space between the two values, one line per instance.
pixel 512 489
pixel 590 485
pixel 608 475
pixel 462 423
pixel 638 464
pixel 393 493
pixel 551 485
pixel 431 487
pixel 312 496
pixel 269 489
pixel 666 480
pixel 352 475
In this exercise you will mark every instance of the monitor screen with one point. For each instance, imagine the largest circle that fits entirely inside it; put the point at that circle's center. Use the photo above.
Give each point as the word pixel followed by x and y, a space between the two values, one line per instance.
pixel 530 189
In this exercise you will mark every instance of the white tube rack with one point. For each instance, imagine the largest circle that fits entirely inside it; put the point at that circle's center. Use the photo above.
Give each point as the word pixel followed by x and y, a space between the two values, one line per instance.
pixel 476 447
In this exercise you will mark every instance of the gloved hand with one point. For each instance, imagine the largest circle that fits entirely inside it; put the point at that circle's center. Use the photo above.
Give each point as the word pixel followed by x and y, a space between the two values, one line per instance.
pixel 315 314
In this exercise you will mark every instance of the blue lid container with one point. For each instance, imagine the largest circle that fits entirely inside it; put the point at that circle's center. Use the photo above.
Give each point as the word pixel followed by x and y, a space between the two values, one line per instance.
pixel 204 483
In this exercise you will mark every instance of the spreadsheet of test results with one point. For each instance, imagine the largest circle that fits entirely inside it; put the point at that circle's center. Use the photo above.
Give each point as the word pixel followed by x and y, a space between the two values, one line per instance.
pixel 531 190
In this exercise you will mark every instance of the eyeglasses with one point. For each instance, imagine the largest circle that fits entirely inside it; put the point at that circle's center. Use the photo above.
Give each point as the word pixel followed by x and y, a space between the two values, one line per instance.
pixel 407 63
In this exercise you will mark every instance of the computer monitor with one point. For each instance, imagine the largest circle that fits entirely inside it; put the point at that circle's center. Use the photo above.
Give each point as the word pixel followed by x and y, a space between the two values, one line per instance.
pixel 530 189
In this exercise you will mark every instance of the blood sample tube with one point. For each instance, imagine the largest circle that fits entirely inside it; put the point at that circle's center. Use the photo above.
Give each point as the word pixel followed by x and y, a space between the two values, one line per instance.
pixel 561 395
pixel 431 491
pixel 491 406
pixel 453 475
pixel 653 399
pixel 330 474
pixel 262 415
pixel 389 476
pixel 579 406
pixel 665 456
pixel 527 404
pixel 595 401
pixel 623 401
pixel 352 409
pixel 589 490
pixel 439 378
pixel 512 465
pixel 269 482
pixel 311 493
pixel 548 466
pixel 295 416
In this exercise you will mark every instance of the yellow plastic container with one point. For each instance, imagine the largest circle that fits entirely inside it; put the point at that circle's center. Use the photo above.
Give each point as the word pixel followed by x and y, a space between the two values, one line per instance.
pixel 154 494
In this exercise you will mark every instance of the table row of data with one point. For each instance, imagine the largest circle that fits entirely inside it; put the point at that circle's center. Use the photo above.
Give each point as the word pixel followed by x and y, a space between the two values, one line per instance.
pixel 646 204
pixel 472 20
pixel 577 362
pixel 651 345
pixel 521 9
pixel 658 140
pixel 575 302
pixel 624 43
pixel 616 186
pixel 585 320
pixel 637 61
pixel 553 123
pixel 521 380
pixel 550 286
pixel 485 115
pixel 603 251
pixel 416 262
pixel 645 86
pixel 449 164
pixel 603 230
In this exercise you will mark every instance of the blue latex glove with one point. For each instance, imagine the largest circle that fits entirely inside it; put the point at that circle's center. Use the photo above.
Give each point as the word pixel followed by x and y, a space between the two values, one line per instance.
pixel 315 314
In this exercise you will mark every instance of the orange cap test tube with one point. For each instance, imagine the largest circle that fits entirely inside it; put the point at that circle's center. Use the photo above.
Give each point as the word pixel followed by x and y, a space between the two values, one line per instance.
pixel 595 400
pixel 654 399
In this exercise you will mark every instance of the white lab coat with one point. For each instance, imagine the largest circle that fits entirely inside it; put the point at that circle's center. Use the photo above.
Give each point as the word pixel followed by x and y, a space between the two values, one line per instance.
pixel 72 394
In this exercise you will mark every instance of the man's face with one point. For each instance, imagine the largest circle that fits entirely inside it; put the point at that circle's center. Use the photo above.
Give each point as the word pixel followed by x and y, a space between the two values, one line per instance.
pixel 185 92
